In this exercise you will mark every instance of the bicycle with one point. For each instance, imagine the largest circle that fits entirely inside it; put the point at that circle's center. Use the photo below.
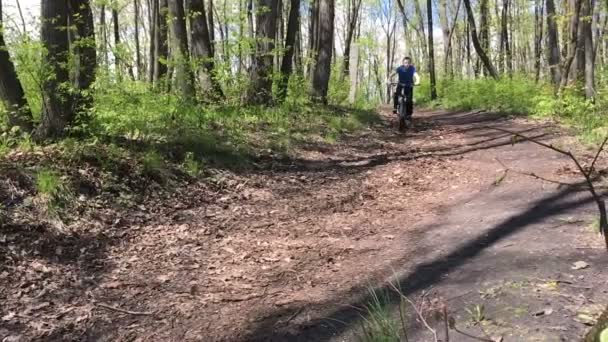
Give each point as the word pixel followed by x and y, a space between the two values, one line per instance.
pixel 404 121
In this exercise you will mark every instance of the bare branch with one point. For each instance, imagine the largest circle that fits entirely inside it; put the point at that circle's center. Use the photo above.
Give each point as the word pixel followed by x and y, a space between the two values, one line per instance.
pixel 422 319
pixel 599 151
pixel 534 175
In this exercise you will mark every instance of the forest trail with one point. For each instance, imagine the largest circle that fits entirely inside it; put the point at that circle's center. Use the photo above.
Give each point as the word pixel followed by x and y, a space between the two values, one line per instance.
pixel 288 252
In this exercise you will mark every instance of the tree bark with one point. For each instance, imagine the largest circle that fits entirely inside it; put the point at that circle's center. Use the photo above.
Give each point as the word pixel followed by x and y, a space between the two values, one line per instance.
pixel 85 53
pixel 575 6
pixel 104 33
pixel 137 46
pixel 56 114
pixel 484 28
pixel 153 39
pixel 538 34
pixel 162 44
pixel 320 83
pixel 293 25
pixel 179 52
pixel 553 54
pixel 211 26
pixel 423 41
pixel 480 52
pixel 117 59
pixel 11 91
pixel 260 90
pixel 445 30
pixel 202 49
pixel 429 6
pixel 589 53
pixel 504 41
pixel 351 26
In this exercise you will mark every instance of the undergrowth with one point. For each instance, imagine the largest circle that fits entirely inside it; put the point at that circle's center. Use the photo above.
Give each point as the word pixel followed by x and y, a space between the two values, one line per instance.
pixel 520 95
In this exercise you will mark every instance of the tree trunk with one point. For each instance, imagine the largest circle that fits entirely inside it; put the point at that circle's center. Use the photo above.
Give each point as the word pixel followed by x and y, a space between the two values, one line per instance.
pixel 251 31
pixel 429 6
pixel 85 53
pixel 480 52
pixel 589 53
pixel 104 33
pixel 117 61
pixel 11 91
pixel 162 44
pixel 313 36
pixel 575 6
pixel 202 49
pixel 484 27
pixel 445 30
pixel 56 114
pixel 290 41
pixel 351 26
pixel 153 39
pixel 553 54
pixel 211 26
pixel 137 47
pixel 179 51
pixel 538 34
pixel 260 90
pixel 505 36
pixel 320 83
pixel 354 56
pixel 423 41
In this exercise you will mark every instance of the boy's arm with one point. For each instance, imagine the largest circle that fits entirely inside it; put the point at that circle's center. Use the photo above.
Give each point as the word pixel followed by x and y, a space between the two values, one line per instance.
pixel 416 79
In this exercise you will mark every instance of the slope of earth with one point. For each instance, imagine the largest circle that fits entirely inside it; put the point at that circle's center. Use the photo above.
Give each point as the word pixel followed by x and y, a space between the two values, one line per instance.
pixel 289 253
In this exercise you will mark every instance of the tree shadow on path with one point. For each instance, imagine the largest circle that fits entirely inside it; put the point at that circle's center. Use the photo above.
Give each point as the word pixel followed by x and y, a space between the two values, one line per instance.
pixel 422 276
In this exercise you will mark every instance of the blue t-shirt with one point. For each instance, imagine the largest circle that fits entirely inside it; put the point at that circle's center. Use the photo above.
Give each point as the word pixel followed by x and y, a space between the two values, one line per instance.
pixel 406 74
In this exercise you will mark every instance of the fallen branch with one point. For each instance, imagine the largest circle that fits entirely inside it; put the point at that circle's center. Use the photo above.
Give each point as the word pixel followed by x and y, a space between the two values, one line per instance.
pixel 422 319
pixel 136 313
pixel 534 175
pixel 587 174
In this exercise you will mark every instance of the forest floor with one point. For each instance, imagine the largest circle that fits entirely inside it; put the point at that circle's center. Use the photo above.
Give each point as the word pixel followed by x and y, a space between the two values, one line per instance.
pixel 290 251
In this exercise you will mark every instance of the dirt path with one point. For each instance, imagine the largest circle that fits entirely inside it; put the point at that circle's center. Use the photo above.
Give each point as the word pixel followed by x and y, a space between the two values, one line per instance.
pixel 287 253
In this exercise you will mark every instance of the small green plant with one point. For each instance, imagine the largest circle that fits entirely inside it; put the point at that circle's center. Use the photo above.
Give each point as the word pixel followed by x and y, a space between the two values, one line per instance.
pixel 378 324
pixel 153 164
pixel 191 165
pixel 476 314
pixel 52 190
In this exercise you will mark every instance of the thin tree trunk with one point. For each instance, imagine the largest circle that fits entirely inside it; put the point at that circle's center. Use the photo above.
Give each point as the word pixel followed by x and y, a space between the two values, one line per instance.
pixel 484 27
pixel 429 6
pixel 86 55
pixel 11 91
pixel 505 36
pixel 202 49
pixel 423 41
pixel 553 54
pixel 480 52
pixel 162 45
pixel 320 83
pixel 104 33
pixel 251 31
pixel 260 90
pixel 351 26
pixel 179 51
pixel 56 113
pixel 117 58
pixel 137 47
pixel 240 42
pixel 445 30
pixel 290 43
pixel 211 25
pixel 573 43
pixel 153 39
pixel 589 53
pixel 538 34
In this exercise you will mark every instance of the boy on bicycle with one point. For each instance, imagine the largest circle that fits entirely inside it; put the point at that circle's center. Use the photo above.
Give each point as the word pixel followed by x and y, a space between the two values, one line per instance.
pixel 408 78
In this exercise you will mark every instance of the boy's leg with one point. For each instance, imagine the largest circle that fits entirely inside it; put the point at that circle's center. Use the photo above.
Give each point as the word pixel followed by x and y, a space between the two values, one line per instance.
pixel 409 107
pixel 396 98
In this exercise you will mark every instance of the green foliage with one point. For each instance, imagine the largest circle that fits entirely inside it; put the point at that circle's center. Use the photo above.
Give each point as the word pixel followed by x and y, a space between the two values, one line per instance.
pixel 153 164
pixel 509 95
pixel 191 165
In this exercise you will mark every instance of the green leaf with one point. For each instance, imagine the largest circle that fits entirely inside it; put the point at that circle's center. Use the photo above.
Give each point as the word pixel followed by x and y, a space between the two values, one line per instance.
pixel 604 335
